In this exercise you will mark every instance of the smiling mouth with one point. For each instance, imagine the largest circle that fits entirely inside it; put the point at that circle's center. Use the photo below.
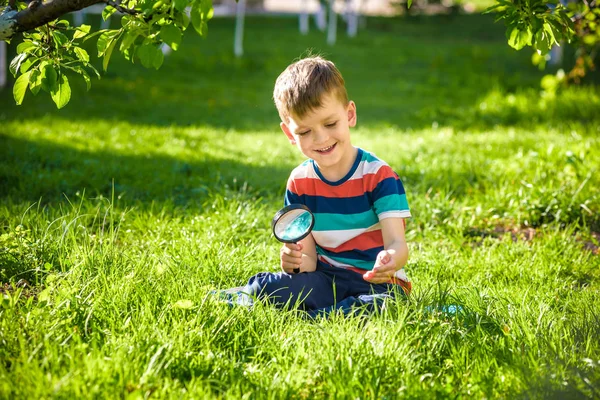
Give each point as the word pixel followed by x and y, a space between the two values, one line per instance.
pixel 326 150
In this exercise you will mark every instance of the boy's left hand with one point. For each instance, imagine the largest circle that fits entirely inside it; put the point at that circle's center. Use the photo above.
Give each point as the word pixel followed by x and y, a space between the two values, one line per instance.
pixel 384 268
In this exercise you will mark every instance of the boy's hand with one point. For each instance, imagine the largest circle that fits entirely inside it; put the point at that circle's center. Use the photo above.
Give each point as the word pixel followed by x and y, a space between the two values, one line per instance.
pixel 384 268
pixel 291 257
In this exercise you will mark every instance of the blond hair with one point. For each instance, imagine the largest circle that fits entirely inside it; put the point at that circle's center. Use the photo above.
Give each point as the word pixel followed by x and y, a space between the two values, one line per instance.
pixel 301 87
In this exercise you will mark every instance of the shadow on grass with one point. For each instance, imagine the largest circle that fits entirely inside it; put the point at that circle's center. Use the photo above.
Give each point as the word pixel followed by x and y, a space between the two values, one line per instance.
pixel 43 171
pixel 407 73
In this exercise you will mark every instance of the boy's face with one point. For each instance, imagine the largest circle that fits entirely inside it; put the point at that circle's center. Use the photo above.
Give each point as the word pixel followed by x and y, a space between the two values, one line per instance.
pixel 324 135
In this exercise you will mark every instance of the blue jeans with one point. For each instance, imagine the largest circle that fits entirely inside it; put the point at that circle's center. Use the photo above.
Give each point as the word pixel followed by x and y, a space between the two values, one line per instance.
pixel 320 292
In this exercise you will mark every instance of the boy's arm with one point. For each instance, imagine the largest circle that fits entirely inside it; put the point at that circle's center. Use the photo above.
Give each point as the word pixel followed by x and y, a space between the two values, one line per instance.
pixel 395 253
pixel 302 255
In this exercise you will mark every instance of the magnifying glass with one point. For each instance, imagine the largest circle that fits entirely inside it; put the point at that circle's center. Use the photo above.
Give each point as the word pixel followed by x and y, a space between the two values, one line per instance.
pixel 293 223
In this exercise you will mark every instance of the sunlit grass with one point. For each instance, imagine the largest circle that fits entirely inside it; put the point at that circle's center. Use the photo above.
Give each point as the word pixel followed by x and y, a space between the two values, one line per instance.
pixel 120 213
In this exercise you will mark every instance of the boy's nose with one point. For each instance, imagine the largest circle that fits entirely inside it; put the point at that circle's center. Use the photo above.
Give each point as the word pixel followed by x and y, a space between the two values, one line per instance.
pixel 321 136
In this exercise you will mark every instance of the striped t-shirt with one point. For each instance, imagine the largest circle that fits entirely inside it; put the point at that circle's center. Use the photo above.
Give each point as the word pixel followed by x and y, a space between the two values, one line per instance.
pixel 347 231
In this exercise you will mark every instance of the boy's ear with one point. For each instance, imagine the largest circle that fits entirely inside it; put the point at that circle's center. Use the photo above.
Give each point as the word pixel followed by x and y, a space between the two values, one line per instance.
pixel 351 114
pixel 287 132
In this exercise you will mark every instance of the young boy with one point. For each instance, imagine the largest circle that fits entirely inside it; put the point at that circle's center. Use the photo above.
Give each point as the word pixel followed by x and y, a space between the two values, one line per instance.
pixel 357 249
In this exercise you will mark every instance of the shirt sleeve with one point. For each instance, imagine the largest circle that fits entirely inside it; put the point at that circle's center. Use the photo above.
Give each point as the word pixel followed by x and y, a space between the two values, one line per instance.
pixel 389 197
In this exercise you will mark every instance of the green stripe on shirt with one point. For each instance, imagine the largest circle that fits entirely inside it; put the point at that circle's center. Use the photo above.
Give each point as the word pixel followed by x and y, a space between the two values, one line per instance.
pixel 392 202
pixel 338 222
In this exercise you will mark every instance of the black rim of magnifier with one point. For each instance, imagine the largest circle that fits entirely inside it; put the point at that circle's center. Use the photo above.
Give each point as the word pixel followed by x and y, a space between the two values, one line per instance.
pixel 284 211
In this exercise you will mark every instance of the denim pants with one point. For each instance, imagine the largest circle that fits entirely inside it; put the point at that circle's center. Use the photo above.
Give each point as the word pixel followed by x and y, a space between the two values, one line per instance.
pixel 320 292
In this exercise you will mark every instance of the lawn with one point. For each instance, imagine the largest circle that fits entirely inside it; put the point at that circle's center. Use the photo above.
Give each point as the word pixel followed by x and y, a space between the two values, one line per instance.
pixel 119 213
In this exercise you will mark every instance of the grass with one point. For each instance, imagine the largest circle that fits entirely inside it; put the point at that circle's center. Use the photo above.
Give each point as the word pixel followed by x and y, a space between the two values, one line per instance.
pixel 121 212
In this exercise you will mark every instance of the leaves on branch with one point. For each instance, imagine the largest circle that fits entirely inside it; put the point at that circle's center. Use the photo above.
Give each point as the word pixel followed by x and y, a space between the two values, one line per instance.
pixel 54 49
pixel 49 77
pixel 543 24
pixel 20 87
pixel 150 55
pixel 62 92
pixel 171 35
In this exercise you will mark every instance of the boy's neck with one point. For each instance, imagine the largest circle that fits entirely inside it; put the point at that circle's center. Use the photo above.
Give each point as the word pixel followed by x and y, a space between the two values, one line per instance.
pixel 336 172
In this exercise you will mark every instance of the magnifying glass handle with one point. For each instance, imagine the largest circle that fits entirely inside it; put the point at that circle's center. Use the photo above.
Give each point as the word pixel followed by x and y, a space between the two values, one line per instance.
pixel 296 270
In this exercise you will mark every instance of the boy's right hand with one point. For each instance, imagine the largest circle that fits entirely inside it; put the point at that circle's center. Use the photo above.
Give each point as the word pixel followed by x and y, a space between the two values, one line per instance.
pixel 291 257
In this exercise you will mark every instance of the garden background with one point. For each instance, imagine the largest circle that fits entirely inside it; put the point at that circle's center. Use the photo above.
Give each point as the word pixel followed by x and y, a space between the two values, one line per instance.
pixel 120 212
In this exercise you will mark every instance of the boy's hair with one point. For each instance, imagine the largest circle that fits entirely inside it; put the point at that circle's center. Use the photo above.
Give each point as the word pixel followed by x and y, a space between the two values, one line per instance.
pixel 300 88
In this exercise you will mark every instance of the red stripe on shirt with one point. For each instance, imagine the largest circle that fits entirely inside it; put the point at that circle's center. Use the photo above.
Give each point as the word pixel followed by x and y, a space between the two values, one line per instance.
pixel 350 188
pixel 316 187
pixel 372 180
pixel 364 241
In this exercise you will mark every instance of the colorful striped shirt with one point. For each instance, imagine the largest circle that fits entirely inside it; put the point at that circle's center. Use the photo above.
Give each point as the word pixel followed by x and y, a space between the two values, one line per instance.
pixel 347 231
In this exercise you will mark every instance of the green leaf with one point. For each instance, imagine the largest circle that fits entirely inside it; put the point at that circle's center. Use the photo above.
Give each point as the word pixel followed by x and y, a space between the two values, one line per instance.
pixel 147 53
pixel 20 87
pixel 107 12
pixel 15 64
pixel 207 9
pixel 90 66
pixel 159 57
pixel 540 42
pixel 108 53
pixel 81 54
pixel 128 40
pixel 49 78
pixel 105 40
pixel 81 71
pixel 35 81
pixel 519 38
pixel 408 3
pixel 86 78
pixel 171 35
pixel 81 31
pixel 184 20
pixel 183 304
pixel 59 38
pixel 62 94
pixel 125 20
pixel 550 33
pixel 27 64
pixel 92 35
pixel 26 47
pixel 180 5
pixel 196 16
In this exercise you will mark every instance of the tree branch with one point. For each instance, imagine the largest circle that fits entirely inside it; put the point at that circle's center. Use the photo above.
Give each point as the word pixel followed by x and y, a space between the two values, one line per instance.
pixel 120 8
pixel 38 13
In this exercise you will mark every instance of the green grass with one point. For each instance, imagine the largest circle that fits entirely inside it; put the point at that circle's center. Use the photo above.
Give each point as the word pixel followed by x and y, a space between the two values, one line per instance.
pixel 157 187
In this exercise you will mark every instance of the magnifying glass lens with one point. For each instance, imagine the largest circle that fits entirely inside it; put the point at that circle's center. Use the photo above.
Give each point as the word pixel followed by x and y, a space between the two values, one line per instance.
pixel 292 223
pixel 296 227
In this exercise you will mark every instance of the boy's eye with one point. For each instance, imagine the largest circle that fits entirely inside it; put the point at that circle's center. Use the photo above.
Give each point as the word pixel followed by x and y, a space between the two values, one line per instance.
pixel 302 133
pixel 331 125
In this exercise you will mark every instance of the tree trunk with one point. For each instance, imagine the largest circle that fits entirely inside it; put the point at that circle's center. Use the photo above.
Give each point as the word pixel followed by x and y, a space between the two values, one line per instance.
pixel 36 14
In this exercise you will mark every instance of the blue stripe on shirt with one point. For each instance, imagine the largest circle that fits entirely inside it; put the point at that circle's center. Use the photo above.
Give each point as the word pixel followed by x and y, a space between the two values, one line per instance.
pixel 331 205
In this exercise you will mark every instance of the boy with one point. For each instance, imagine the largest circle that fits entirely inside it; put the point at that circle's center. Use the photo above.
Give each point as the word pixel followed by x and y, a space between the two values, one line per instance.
pixel 357 249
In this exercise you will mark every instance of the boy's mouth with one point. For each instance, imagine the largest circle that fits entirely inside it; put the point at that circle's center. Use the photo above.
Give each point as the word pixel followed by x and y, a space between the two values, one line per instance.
pixel 327 150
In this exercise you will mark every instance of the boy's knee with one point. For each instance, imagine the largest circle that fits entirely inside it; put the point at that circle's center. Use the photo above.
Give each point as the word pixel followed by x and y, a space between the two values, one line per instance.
pixel 265 284
pixel 279 288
